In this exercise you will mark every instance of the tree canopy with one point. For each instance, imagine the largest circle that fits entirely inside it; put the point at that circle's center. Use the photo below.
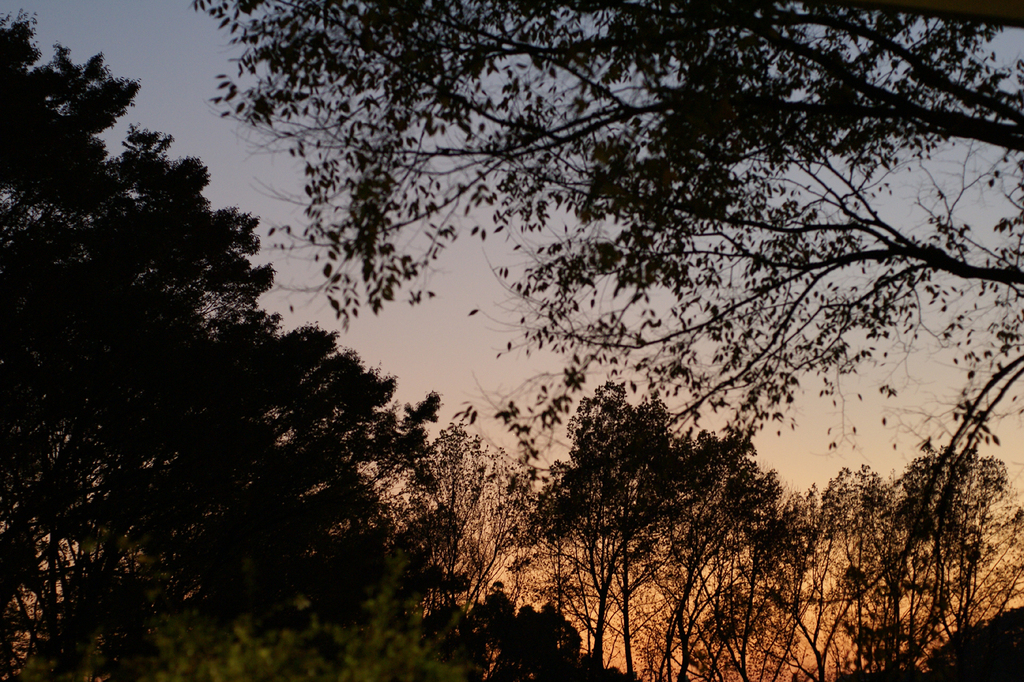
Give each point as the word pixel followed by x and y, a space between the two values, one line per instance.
pixel 165 444
pixel 681 557
pixel 464 521
pixel 702 190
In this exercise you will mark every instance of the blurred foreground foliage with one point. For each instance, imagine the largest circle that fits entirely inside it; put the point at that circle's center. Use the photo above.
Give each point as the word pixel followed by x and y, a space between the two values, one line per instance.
pixel 388 646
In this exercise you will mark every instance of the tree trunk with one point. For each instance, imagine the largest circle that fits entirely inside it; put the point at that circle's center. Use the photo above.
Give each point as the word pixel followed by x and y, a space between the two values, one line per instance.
pixel 626 637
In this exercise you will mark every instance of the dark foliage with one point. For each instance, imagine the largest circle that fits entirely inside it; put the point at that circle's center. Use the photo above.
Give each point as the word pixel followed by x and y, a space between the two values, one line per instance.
pixel 162 441
pixel 990 652
pixel 507 646
pixel 722 172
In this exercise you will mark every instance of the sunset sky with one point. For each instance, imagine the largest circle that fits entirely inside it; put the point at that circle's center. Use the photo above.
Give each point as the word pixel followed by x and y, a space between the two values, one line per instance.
pixel 176 54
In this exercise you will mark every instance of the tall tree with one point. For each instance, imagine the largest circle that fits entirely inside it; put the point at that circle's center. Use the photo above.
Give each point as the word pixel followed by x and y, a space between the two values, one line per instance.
pixel 727 543
pixel 890 625
pixel 159 431
pixel 716 494
pixel 746 632
pixel 723 166
pixel 820 595
pixel 603 509
pixel 973 535
pixel 467 520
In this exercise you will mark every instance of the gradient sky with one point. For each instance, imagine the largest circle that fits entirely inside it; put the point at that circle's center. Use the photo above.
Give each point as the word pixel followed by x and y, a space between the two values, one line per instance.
pixel 176 54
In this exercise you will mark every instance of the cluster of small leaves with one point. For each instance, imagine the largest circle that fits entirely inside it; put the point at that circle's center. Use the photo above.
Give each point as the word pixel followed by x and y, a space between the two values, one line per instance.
pixel 722 163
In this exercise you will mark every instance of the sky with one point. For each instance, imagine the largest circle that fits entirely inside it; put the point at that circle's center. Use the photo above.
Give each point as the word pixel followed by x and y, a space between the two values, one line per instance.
pixel 176 54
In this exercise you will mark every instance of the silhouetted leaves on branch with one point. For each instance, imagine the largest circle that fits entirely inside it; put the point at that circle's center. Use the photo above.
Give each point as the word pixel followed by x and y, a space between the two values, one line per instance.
pixel 161 437
pixel 702 189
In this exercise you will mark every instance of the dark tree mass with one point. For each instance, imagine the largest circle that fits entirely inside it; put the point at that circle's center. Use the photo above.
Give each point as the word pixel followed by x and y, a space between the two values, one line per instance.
pixel 702 189
pixel 158 430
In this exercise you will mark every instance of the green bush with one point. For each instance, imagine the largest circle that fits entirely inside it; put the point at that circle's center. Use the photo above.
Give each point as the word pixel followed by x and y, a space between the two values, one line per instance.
pixel 388 647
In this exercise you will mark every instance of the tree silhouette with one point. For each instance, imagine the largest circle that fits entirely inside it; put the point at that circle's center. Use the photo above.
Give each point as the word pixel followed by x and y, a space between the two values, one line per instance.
pixel 721 168
pixel 894 574
pixel 820 596
pixel 668 553
pixel 744 633
pixel 507 646
pixel 972 526
pixel 717 490
pixel 603 509
pixel 161 435
pixel 466 520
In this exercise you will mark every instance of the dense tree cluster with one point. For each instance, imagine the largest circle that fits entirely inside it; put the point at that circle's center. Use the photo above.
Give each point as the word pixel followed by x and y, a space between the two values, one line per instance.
pixel 165 444
pixel 704 191
pixel 678 557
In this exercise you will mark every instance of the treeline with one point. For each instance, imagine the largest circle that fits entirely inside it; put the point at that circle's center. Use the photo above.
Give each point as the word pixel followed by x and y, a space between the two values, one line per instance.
pixel 680 558
pixel 190 491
